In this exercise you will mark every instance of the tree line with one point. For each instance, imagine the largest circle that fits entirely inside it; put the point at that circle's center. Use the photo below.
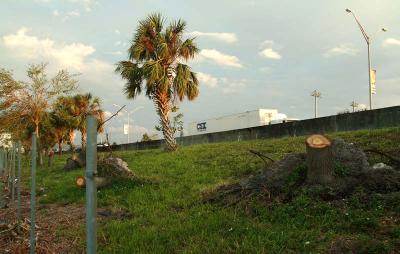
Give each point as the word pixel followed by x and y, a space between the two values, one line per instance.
pixel 52 108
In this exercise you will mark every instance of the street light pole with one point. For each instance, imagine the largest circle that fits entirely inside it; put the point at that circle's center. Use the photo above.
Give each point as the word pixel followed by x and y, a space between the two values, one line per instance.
pixel 315 107
pixel 316 94
pixel 369 74
pixel 368 41
pixel 129 125
pixel 129 118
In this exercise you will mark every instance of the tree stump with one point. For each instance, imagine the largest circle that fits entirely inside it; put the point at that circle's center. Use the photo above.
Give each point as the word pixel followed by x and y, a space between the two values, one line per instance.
pixel 80 181
pixel 319 160
pixel 100 182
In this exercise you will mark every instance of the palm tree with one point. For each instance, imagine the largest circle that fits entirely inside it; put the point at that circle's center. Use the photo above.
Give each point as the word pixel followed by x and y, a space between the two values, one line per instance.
pixel 84 105
pixel 156 59
pixel 64 121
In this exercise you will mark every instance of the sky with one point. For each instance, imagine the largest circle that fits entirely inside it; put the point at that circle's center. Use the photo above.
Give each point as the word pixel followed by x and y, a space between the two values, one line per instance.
pixel 254 53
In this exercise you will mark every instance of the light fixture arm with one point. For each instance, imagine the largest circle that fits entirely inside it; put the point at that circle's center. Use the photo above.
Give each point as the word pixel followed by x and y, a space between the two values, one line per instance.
pixel 366 37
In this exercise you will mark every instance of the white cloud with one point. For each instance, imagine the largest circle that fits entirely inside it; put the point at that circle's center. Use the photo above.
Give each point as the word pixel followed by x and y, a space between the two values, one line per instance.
pixel 117 31
pixel 67 56
pixel 225 37
pixel 232 86
pixel 265 69
pixel 362 106
pixel 390 42
pixel 342 49
pixel 71 14
pixel 74 13
pixel 207 79
pixel 219 58
pixel 228 86
pixel 56 13
pixel 115 53
pixel 267 44
pixel 86 4
pixel 267 50
pixel 270 54
pixel 117 43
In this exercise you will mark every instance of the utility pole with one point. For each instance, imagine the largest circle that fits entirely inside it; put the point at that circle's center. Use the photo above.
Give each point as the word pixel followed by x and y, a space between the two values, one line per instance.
pixel 371 74
pixel 129 118
pixel 354 105
pixel 316 94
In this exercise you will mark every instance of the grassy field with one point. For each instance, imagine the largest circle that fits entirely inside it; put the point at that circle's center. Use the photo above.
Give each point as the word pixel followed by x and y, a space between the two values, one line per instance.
pixel 170 217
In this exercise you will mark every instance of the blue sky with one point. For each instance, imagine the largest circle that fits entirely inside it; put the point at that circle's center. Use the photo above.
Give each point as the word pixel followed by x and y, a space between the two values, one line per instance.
pixel 255 53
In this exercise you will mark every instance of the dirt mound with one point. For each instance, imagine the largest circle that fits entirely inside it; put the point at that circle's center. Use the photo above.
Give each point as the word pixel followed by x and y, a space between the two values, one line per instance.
pixel 114 167
pixel 286 178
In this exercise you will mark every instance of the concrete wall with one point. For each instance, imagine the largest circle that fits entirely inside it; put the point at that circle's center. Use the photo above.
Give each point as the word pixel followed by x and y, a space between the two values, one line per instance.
pixel 371 119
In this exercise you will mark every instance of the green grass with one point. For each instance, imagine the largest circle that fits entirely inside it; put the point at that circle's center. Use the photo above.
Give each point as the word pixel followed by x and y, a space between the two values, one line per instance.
pixel 170 217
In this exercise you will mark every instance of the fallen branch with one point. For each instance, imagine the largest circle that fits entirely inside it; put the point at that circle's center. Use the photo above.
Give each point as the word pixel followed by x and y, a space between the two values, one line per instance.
pixel 262 156
pixel 108 119
pixel 390 157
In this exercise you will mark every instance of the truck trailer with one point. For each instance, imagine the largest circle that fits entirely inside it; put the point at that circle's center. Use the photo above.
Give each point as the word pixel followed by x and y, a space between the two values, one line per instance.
pixel 243 120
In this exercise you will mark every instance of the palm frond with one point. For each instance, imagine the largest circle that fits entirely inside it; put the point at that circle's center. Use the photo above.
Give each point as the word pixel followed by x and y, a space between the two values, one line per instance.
pixel 176 29
pixel 157 21
pixel 185 82
pixel 192 90
pixel 133 74
pixel 146 38
pixel 153 71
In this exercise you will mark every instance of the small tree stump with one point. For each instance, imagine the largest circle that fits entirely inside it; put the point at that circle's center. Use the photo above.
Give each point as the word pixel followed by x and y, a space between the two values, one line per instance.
pixel 100 182
pixel 319 160
pixel 80 181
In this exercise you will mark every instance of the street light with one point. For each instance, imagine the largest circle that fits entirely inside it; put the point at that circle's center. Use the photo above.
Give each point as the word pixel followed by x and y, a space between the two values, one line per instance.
pixel 368 40
pixel 316 94
pixel 129 114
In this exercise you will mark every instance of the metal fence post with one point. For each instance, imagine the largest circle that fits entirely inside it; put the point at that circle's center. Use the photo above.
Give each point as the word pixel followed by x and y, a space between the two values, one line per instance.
pixel 2 170
pixel 19 189
pixel 13 175
pixel 33 196
pixel 91 193
pixel 7 169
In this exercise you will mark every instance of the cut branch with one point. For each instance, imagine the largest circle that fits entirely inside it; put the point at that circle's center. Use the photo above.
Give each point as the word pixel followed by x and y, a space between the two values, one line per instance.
pixel 108 119
pixel 262 156
pixel 390 157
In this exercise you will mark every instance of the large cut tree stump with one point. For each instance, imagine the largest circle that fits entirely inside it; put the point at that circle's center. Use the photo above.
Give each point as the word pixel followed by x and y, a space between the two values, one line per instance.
pixel 319 160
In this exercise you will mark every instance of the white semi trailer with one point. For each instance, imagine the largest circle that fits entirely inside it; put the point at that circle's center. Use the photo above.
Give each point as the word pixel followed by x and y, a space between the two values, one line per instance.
pixel 246 119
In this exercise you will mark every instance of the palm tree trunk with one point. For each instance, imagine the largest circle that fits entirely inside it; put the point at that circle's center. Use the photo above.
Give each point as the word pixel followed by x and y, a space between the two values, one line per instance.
pixel 161 101
pixel 83 139
pixel 60 148
pixel 71 140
